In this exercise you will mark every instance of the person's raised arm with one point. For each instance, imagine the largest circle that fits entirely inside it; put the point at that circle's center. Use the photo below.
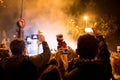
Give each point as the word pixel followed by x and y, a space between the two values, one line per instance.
pixel 42 59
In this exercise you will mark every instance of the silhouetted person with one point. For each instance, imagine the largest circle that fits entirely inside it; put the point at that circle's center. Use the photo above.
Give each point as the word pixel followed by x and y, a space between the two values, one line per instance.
pixel 22 67
pixel 104 54
pixel 62 47
pixel 51 72
pixel 4 52
pixel 88 67
pixel 61 43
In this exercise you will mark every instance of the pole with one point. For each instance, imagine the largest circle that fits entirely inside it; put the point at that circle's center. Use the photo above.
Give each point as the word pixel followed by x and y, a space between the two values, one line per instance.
pixel 22 5
pixel 20 30
pixel 86 23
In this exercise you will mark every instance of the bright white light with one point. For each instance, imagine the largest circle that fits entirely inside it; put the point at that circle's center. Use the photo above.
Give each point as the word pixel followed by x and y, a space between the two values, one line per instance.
pixel 88 30
pixel 85 17
pixel 28 39
pixel 14 36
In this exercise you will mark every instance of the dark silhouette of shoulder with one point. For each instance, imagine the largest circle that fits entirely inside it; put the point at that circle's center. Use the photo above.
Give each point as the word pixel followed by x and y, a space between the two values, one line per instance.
pixel 89 70
pixel 19 68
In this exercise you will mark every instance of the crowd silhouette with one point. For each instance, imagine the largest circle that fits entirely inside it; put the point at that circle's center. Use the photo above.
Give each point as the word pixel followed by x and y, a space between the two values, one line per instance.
pixel 91 60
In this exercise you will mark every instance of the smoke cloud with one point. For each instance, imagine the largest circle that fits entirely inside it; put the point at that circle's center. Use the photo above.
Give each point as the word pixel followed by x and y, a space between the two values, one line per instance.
pixel 49 16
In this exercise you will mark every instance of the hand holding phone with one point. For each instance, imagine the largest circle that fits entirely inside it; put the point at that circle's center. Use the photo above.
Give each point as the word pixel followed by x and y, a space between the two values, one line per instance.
pixel 65 51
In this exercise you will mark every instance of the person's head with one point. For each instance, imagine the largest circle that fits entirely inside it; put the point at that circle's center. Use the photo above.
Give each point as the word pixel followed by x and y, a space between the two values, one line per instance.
pixel 87 46
pixel 59 37
pixel 39 31
pixel 17 46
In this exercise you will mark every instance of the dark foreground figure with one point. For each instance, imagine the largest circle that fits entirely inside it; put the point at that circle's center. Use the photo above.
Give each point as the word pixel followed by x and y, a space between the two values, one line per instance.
pixel 87 65
pixel 19 66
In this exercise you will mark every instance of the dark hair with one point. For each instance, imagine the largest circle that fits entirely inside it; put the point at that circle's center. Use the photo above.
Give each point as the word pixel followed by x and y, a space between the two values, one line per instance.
pixel 59 35
pixel 87 46
pixel 17 46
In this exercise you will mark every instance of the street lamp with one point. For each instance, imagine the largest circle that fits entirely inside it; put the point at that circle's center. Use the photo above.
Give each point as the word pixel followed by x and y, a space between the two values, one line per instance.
pixel 86 19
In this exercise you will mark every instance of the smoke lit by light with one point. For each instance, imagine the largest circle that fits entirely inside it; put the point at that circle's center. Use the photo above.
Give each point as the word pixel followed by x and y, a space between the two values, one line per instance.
pixel 48 16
